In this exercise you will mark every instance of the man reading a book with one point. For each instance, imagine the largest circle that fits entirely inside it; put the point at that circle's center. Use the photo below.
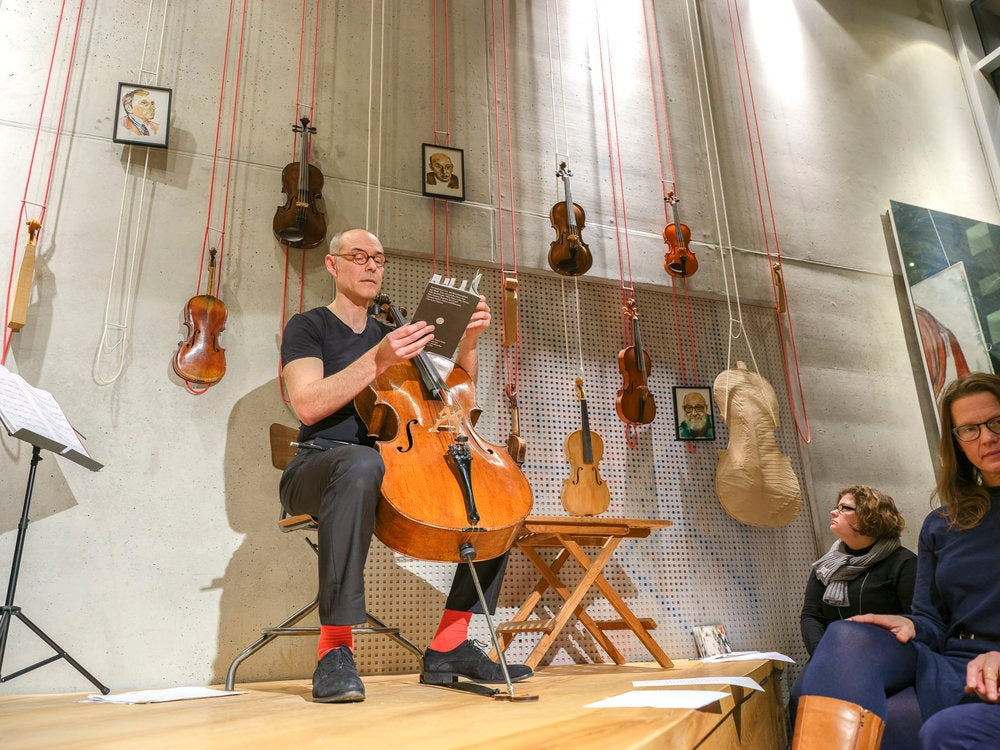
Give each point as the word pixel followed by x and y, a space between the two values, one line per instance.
pixel 329 355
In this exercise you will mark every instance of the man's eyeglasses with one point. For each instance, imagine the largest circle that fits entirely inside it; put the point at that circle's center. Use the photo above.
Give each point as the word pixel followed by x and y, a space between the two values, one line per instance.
pixel 968 432
pixel 841 508
pixel 696 409
pixel 361 258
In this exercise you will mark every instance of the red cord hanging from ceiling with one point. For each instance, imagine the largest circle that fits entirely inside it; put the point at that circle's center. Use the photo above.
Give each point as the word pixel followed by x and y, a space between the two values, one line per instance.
pixel 668 186
pixel 221 230
pixel 778 286
pixel 295 134
pixel 7 332
pixel 508 271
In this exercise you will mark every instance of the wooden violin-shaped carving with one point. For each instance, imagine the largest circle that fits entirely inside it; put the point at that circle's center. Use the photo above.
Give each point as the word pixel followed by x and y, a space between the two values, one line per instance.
pixel 200 359
pixel 754 481
pixel 584 493
pixel 635 403
pixel 569 254
pixel 678 261
pixel 444 485
pixel 300 223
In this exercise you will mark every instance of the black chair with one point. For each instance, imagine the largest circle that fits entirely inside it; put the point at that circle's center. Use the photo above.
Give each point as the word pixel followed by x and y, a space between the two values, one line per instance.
pixel 282 452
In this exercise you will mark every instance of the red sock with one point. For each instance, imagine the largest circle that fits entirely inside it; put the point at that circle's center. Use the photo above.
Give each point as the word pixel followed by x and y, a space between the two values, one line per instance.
pixel 334 636
pixel 453 630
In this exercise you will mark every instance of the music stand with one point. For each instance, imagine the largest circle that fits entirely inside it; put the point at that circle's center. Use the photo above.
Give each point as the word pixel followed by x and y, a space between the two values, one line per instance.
pixel 32 415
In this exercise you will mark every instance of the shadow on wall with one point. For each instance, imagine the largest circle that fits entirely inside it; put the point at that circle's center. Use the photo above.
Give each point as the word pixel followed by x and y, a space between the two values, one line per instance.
pixel 272 574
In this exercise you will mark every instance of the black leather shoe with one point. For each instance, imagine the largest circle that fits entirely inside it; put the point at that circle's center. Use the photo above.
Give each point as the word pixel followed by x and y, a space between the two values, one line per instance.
pixel 336 678
pixel 468 661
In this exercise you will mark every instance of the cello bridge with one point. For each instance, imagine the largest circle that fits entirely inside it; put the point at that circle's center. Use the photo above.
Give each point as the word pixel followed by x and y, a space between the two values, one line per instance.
pixel 449 420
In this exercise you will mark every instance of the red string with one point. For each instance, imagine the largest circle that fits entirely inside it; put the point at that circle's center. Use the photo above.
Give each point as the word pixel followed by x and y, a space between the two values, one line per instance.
pixel 511 353
pixel 295 135
pixel 736 29
pixel 8 332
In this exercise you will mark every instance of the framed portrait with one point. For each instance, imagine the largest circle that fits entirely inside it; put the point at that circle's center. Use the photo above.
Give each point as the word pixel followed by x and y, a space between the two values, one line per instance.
pixel 693 415
pixel 142 115
pixel 443 172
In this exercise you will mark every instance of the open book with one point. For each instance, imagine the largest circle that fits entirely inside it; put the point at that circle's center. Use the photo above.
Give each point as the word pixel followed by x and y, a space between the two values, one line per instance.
pixel 447 305
pixel 32 415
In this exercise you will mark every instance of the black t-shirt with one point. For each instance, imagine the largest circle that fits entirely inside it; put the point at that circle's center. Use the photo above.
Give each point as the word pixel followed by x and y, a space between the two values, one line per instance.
pixel 321 334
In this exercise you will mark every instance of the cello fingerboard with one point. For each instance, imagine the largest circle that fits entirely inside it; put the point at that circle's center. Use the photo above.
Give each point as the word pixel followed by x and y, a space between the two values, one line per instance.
pixel 706 568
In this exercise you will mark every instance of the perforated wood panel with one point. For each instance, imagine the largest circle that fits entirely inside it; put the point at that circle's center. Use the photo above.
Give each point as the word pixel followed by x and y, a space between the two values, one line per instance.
pixel 706 568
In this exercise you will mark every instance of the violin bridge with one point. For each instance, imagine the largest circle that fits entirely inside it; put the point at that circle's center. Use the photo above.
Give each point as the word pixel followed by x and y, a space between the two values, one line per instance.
pixel 448 420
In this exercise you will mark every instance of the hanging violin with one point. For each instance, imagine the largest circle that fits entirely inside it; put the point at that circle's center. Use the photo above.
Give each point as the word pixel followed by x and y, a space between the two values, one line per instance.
pixel 569 254
pixel 635 403
pixel 585 492
pixel 200 359
pixel 678 261
pixel 300 223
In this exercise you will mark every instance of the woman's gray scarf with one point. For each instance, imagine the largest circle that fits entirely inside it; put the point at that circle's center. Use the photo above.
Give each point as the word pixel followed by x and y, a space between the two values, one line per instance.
pixel 837 567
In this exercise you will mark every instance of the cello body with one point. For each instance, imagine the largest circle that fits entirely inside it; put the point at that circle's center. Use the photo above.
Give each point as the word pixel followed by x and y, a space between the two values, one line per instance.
pixel 754 481
pixel 425 511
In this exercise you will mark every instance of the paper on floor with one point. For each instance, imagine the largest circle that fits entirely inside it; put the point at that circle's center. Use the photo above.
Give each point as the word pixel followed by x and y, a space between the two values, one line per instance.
pixel 660 699
pixel 161 696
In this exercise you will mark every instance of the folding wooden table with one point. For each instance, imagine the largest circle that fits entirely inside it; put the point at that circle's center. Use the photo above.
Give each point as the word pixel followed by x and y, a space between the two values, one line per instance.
pixel 569 535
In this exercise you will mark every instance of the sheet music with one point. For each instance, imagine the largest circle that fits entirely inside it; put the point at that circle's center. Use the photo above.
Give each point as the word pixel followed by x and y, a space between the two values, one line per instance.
pixel 33 414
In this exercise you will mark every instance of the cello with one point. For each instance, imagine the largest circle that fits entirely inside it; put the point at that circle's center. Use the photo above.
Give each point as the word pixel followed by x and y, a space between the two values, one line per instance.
pixel 444 485
pixel 300 223
pixel 678 261
pixel 199 358
pixel 569 255
pixel 635 403
pixel 585 492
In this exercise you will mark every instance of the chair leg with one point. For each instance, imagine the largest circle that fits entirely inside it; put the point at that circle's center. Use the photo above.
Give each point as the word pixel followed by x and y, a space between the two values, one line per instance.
pixel 823 723
pixel 268 635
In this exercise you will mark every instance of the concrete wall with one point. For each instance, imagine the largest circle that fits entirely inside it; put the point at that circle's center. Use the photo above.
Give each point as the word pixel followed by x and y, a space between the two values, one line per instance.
pixel 857 103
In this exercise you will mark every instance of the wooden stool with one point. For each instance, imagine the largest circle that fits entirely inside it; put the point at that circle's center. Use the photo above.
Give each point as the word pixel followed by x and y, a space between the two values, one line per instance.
pixel 569 534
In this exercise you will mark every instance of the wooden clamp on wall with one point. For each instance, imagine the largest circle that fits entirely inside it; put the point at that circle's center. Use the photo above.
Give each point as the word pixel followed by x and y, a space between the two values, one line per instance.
pixel 25 276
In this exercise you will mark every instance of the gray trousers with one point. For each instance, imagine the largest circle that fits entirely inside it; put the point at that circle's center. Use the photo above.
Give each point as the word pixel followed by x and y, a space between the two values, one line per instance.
pixel 340 487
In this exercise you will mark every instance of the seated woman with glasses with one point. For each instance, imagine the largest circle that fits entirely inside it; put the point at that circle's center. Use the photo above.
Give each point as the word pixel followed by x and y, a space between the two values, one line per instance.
pixel 948 647
pixel 866 569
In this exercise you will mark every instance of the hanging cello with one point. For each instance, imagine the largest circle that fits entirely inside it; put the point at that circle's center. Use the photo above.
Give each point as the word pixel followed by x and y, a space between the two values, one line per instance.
pixel 300 223
pixel 569 255
pixel 444 485
pixel 585 492
pixel 678 261
pixel 199 359
pixel 635 403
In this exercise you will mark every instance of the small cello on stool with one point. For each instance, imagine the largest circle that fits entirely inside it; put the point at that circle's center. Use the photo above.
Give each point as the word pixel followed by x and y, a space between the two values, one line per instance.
pixel 635 403
pixel 585 492
pixel 678 261
pixel 199 359
pixel 300 223
pixel 569 255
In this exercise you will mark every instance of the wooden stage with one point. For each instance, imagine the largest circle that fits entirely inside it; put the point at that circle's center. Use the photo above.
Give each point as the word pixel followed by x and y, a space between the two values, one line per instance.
pixel 401 713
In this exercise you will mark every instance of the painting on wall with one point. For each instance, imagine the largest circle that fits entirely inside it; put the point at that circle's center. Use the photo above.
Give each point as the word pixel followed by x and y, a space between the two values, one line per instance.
pixel 443 171
pixel 143 115
pixel 952 270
